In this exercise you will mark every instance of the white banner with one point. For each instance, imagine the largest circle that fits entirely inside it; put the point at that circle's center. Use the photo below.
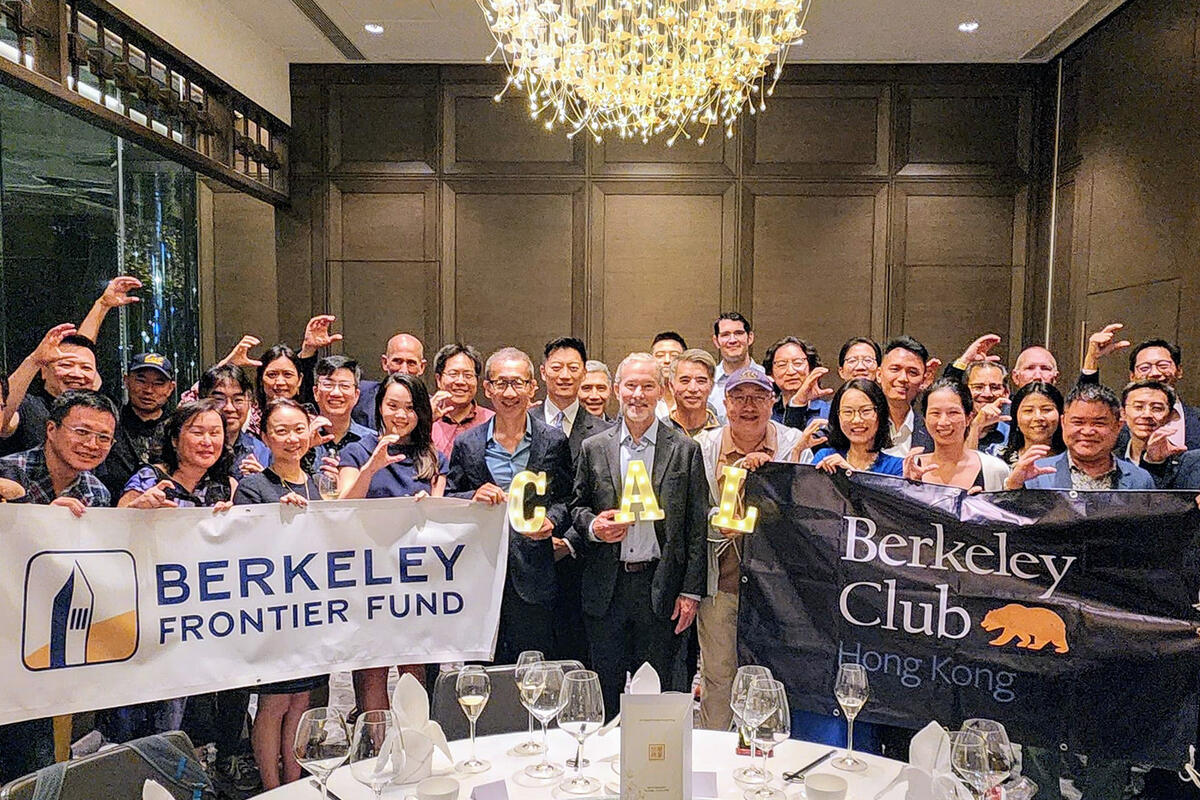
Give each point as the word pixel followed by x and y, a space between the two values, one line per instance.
pixel 124 606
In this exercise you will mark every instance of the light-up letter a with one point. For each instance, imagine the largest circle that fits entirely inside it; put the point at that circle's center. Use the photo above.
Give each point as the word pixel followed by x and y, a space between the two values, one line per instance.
pixel 636 490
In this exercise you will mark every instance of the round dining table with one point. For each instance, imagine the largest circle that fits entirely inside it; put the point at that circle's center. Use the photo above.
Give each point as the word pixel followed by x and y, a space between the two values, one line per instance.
pixel 712 751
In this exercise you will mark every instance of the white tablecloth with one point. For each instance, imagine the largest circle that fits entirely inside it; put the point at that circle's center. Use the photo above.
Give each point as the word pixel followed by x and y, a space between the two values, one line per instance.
pixel 711 752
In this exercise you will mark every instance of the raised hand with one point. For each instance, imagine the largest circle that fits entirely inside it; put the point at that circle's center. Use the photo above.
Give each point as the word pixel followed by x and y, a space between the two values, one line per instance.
pixel 380 459
pixel 931 370
pixel 250 464
pixel 48 350
pixel 981 349
pixel 811 388
pixel 833 462
pixel 239 356
pixel 1026 468
pixel 315 435
pixel 116 294
pixel 442 403
pixel 1102 343
pixel 914 470
pixel 1160 448
pixel 317 335
pixel 812 436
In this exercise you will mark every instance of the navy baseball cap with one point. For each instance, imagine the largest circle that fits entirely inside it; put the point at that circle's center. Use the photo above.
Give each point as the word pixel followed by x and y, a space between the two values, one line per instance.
pixel 154 361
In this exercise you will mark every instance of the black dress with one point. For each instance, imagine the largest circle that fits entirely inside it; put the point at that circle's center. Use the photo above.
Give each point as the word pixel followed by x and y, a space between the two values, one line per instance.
pixel 267 487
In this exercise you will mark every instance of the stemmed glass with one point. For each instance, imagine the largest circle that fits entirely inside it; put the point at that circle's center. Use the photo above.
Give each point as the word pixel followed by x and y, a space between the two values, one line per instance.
pixel 746 675
pixel 851 690
pixel 767 695
pixel 969 760
pixel 531 746
pixel 327 485
pixel 321 744
pixel 997 747
pixel 373 750
pixel 541 692
pixel 473 687
pixel 581 715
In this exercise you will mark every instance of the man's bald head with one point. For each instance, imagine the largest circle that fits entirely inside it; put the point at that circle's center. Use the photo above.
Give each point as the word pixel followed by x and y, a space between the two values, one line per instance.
pixel 1034 364
pixel 405 355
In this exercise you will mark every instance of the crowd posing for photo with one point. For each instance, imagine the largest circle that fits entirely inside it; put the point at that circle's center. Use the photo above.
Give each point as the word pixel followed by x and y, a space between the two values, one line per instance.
pixel 290 426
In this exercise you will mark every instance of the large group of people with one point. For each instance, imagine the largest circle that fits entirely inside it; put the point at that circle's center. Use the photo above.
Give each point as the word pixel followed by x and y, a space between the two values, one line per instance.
pixel 291 426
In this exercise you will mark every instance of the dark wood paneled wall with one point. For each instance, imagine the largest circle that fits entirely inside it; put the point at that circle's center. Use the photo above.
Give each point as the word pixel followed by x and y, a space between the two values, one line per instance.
pixel 1128 213
pixel 867 200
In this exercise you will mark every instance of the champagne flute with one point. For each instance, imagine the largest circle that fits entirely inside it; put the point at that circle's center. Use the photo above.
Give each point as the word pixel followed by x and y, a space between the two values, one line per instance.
pixel 1000 758
pixel 321 744
pixel 969 760
pixel 851 690
pixel 473 687
pixel 531 746
pixel 776 727
pixel 745 676
pixel 545 681
pixel 374 748
pixel 581 715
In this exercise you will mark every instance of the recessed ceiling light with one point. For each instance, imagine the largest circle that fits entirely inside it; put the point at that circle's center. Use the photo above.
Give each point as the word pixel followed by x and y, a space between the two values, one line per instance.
pixel 968 27
pixel 373 27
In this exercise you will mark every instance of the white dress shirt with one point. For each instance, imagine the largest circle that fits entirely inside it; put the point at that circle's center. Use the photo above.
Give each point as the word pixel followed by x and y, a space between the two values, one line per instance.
pixel 552 411
pixel 901 437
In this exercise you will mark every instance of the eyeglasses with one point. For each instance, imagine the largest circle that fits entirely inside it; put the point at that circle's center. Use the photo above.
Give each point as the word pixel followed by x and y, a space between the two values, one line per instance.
pixel 866 414
pixel 798 364
pixel 238 400
pixel 329 386
pixel 84 434
pixel 504 384
pixel 748 399
pixel 860 361
pixel 1146 367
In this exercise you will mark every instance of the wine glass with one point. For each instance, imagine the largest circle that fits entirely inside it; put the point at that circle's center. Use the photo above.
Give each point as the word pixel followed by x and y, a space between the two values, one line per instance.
pixel 531 746
pixel 767 695
pixel 851 690
pixel 473 688
pixel 374 748
pixel 321 743
pixel 745 676
pixel 327 485
pixel 999 750
pixel 541 692
pixel 581 715
pixel 969 760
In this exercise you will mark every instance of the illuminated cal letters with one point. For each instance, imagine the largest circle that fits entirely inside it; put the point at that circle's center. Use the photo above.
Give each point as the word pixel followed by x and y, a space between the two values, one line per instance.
pixel 731 494
pixel 516 502
pixel 637 490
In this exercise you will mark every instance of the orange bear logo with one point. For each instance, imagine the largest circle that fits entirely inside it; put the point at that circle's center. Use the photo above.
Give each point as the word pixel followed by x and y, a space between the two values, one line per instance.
pixel 1033 628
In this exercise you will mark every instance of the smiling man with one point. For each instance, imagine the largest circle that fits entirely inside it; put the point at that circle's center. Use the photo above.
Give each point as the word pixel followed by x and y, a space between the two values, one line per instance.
pixel 150 384
pixel 642 580
pixel 337 391
pixel 404 355
pixel 482 467
pixel 66 361
pixel 456 368
pixel 901 374
pixel 733 338
pixel 1090 422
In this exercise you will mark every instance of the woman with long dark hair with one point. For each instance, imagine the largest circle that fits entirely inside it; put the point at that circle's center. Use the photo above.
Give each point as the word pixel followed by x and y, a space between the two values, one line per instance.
pixel 399 461
pixel 286 431
pixel 858 434
pixel 195 463
pixel 1037 409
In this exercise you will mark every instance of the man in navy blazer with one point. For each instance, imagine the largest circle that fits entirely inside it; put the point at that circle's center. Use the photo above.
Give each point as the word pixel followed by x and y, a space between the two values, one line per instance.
pixel 482 465
pixel 1091 420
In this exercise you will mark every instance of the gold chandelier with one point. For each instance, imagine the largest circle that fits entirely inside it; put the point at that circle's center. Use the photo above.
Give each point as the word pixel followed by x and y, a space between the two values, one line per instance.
pixel 641 68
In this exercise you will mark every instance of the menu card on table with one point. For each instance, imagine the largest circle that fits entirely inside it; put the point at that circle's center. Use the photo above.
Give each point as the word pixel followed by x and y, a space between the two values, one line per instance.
pixel 656 746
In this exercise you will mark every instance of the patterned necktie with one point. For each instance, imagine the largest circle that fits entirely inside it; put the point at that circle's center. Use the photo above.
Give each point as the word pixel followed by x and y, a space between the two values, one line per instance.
pixel 558 420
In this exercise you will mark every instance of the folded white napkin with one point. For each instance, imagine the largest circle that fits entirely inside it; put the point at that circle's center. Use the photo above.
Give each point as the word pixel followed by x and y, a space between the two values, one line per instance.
pixel 418 735
pixel 154 791
pixel 928 775
pixel 645 681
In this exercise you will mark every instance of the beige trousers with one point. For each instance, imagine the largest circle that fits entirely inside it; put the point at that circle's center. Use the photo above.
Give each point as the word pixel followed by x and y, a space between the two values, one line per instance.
pixel 717 630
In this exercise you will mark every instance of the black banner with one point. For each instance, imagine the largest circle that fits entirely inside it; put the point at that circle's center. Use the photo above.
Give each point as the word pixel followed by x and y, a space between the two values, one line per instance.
pixel 1071 617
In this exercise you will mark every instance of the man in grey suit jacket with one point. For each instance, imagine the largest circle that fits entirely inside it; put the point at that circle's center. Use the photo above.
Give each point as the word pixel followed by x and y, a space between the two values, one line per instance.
pixel 642 581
